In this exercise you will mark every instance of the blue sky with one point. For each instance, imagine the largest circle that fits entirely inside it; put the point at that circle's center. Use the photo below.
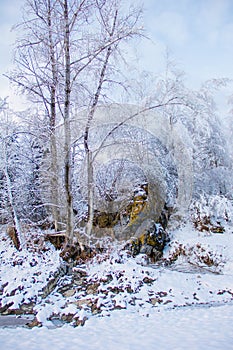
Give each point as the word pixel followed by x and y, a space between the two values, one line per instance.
pixel 198 33
pixel 9 15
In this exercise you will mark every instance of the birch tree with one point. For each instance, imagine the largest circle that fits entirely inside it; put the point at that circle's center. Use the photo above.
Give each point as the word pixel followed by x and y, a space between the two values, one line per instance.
pixel 36 57
pixel 64 46
pixel 8 164
pixel 116 28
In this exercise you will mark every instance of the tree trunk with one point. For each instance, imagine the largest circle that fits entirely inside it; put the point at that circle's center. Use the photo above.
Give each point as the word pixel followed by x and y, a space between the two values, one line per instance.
pixel 90 191
pixel 54 175
pixel 67 131
pixel 90 176
pixel 11 201
pixel 54 185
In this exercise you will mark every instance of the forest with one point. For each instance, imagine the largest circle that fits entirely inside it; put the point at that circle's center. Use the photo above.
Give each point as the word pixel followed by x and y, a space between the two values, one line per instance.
pixel 110 173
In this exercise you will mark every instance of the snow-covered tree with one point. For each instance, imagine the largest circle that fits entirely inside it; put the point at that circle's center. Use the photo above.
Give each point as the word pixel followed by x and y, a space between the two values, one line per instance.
pixel 9 167
pixel 63 46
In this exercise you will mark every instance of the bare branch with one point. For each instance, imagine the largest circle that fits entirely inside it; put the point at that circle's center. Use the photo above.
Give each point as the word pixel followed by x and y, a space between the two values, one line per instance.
pixel 170 102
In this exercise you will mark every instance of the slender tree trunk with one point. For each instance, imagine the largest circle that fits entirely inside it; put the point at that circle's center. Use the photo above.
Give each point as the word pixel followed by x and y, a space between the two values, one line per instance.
pixel 90 175
pixel 11 201
pixel 54 184
pixel 90 193
pixel 54 177
pixel 67 131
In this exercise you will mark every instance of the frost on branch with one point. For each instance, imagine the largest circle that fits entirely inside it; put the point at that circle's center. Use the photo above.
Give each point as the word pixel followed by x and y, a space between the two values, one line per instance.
pixel 211 213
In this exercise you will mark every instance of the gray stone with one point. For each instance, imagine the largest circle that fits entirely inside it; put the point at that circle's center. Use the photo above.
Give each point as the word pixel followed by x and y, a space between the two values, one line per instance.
pixel 14 321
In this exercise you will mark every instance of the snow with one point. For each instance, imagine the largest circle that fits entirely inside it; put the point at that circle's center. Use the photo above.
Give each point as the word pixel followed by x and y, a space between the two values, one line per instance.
pixel 25 270
pixel 167 306
pixel 198 328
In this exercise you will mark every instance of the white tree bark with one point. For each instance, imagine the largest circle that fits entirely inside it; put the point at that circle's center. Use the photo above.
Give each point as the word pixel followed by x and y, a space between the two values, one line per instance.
pixel 11 197
pixel 54 177
pixel 90 172
pixel 67 131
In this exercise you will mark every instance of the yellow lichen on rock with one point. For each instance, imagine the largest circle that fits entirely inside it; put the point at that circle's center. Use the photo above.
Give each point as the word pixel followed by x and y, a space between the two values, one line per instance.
pixel 151 242
pixel 139 202
pixel 138 205
pixel 146 238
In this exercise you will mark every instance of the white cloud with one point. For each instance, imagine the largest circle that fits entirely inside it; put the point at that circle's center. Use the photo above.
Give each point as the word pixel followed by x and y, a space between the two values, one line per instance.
pixel 211 18
pixel 151 55
pixel 213 12
pixel 226 36
pixel 172 27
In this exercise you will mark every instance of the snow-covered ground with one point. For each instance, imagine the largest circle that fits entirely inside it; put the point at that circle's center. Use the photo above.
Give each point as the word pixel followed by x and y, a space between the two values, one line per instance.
pixel 192 328
pixel 171 306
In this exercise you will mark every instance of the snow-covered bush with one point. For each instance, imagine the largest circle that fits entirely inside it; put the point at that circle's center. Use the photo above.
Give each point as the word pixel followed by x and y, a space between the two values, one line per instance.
pixel 210 213
pixel 197 255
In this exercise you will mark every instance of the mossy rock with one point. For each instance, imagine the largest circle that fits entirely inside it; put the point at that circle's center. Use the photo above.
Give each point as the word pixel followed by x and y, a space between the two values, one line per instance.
pixel 139 201
pixel 138 205
pixel 105 220
pixel 151 242
pixel 217 229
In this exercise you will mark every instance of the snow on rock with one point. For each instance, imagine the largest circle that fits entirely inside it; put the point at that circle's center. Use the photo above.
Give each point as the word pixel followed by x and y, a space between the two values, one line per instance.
pixel 211 213
pixel 145 287
pixel 196 270
pixel 211 251
pixel 24 274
